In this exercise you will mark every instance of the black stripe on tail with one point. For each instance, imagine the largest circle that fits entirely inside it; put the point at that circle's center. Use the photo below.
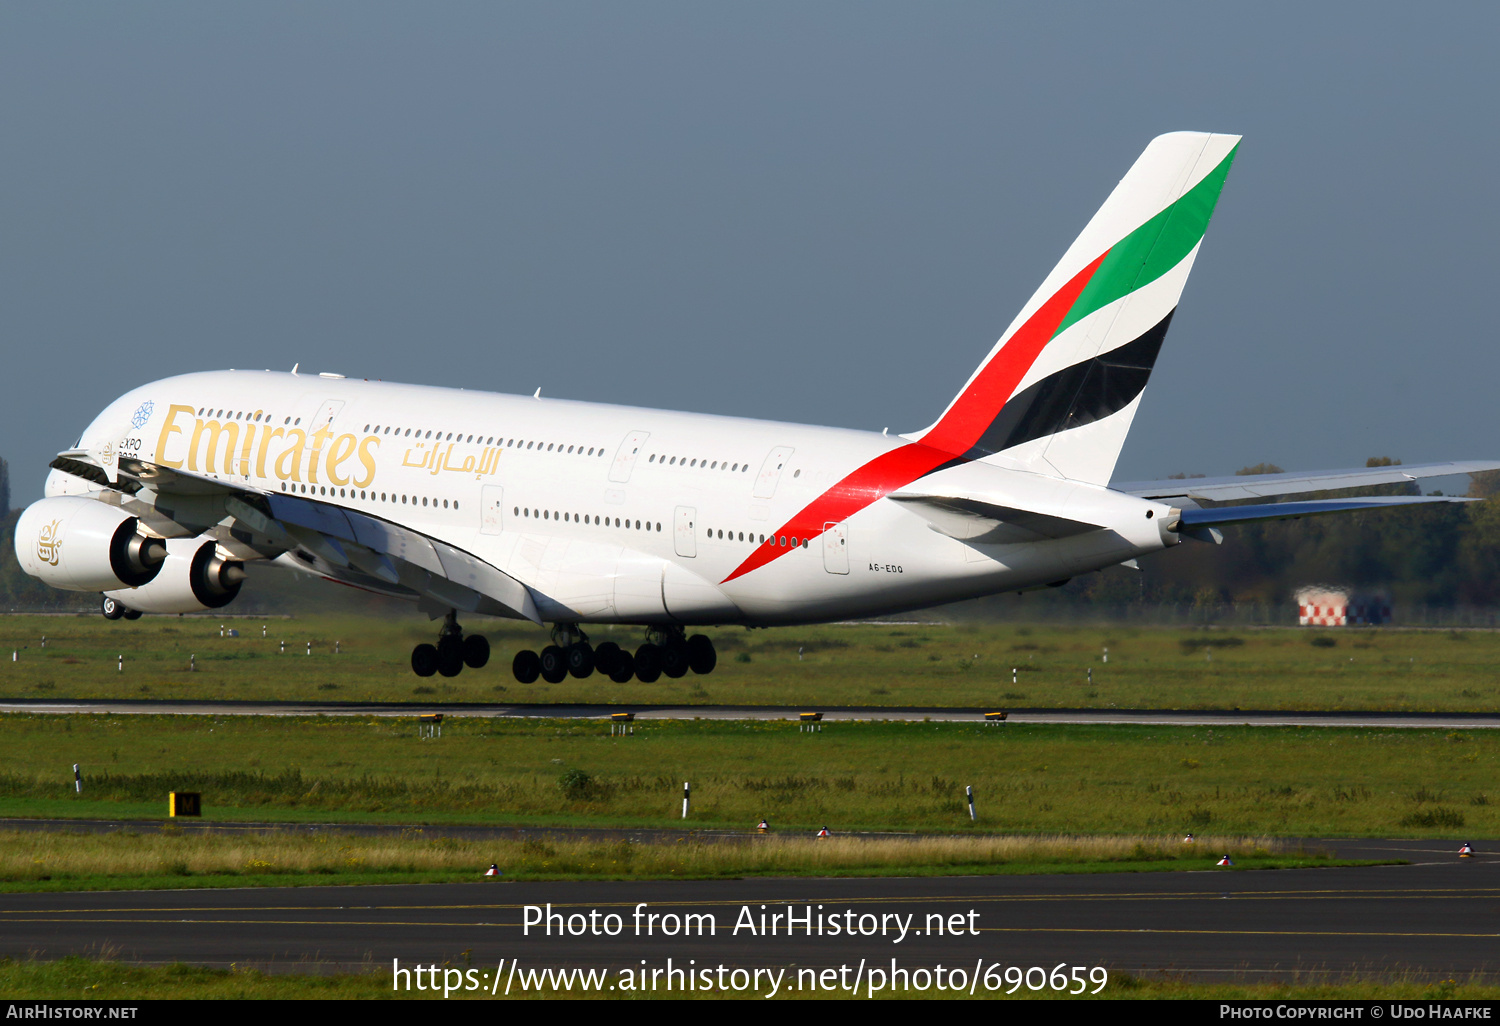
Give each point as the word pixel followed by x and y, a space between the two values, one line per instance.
pixel 1076 395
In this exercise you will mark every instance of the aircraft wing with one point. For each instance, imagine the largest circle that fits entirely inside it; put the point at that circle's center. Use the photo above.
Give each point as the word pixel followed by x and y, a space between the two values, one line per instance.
pixel 1224 515
pixel 343 544
pixel 1260 486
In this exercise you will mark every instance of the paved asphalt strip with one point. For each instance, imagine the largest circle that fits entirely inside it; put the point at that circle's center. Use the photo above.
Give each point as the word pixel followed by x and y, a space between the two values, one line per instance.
pixel 1436 917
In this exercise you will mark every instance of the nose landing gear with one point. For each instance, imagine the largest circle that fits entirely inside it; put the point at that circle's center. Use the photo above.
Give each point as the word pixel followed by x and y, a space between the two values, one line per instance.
pixel 453 651
pixel 114 609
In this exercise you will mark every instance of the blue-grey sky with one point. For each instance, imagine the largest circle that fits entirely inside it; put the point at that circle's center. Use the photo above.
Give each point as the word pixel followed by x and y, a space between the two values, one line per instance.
pixel 808 211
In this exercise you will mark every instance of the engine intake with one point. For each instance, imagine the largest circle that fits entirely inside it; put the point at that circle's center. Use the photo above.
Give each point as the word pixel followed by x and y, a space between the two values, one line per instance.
pixel 81 544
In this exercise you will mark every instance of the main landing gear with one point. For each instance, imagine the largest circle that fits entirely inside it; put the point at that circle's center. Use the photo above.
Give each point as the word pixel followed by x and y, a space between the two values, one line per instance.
pixel 452 653
pixel 666 651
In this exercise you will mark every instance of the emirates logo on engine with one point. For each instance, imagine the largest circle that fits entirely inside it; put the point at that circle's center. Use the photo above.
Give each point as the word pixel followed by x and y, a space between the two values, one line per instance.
pixel 49 544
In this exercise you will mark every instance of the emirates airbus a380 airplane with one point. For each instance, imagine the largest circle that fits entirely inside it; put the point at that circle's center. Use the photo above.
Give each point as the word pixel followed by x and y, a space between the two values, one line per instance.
pixel 569 513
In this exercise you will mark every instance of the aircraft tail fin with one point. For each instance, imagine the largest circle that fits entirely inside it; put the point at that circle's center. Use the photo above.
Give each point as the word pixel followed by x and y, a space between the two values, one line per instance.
pixel 1061 387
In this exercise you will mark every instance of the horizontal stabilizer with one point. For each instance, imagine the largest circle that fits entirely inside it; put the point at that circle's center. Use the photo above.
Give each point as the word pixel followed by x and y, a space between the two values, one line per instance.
pixel 1264 486
pixel 1224 515
pixel 973 520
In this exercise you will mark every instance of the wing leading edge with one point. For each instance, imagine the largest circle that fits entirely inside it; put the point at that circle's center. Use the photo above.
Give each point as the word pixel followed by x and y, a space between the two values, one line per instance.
pixel 351 547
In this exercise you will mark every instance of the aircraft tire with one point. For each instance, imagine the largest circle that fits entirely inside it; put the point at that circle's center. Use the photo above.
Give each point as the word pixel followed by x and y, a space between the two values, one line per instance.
pixel 554 664
pixel 132 614
pixel 605 656
pixel 112 609
pixel 476 650
pixel 424 660
pixel 701 655
pixel 675 659
pixel 648 663
pixel 451 662
pixel 580 657
pixel 623 668
pixel 527 666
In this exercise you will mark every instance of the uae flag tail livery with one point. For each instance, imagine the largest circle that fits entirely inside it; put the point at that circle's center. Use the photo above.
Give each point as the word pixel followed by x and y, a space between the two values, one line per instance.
pixel 472 503
pixel 1059 390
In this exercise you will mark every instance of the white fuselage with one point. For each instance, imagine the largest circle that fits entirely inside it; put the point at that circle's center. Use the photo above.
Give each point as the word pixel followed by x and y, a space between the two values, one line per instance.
pixel 624 515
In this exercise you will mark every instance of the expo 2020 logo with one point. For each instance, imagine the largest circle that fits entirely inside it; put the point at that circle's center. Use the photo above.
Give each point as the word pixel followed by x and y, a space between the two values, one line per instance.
pixel 142 414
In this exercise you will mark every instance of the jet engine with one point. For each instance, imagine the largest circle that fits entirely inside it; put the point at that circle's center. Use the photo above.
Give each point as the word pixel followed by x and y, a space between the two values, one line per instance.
pixel 80 544
pixel 194 577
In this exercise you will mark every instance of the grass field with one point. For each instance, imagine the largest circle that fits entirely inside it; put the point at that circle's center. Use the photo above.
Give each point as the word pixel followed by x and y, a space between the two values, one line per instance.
pixel 1271 668
pixel 1286 781
pixel 131 861
pixel 105 980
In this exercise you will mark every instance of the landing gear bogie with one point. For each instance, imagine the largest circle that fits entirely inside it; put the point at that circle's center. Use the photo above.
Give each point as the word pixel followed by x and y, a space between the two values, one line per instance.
pixel 667 651
pixel 453 651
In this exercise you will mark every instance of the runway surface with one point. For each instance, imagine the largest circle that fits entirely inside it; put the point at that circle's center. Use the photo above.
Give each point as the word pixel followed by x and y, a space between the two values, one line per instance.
pixel 1438 916
pixel 1145 717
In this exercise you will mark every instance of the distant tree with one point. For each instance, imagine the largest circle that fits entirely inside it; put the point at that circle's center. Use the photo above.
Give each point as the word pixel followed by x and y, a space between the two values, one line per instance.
pixel 1484 485
pixel 1382 461
pixel 1260 468
pixel 4 488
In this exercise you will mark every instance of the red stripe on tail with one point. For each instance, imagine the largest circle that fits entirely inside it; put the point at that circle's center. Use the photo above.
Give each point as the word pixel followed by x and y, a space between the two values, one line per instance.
pixel 974 410
pixel 962 426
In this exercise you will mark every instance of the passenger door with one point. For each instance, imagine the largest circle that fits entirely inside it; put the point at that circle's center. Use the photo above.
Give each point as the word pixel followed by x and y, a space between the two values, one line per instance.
pixel 684 532
pixel 770 471
pixel 625 456
pixel 491 514
pixel 836 548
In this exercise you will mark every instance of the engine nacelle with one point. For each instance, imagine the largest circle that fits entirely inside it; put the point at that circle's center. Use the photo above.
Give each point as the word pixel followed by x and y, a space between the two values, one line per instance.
pixel 80 544
pixel 194 578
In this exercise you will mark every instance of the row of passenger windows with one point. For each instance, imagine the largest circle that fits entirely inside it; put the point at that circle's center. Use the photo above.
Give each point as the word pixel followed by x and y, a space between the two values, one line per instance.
pixel 507 443
pixel 574 518
pixel 673 461
pixel 783 541
pixel 255 417
pixel 755 539
pixel 387 429
pixel 359 493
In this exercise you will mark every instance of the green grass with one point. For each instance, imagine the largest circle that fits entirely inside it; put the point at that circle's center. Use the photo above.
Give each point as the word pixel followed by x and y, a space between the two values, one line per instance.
pixel 1058 779
pixel 1355 668
pixel 76 978
pixel 57 861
